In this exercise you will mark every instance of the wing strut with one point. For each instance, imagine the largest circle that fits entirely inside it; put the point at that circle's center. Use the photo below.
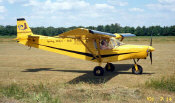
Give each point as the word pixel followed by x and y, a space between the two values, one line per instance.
pixel 89 50
pixel 98 48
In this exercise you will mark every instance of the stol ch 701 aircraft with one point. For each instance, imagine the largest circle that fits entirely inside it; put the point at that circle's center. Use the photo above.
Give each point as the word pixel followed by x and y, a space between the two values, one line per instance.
pixel 87 44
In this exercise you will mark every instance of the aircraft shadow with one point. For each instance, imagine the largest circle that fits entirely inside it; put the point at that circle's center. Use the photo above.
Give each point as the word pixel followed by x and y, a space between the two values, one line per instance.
pixel 37 70
pixel 89 77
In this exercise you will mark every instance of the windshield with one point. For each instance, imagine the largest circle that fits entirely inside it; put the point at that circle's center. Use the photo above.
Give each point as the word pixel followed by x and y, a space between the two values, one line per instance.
pixel 115 42
pixel 110 43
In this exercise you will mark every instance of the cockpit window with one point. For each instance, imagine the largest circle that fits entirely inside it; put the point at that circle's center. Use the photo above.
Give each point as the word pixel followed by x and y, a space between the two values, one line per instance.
pixel 116 42
pixel 110 44
pixel 106 44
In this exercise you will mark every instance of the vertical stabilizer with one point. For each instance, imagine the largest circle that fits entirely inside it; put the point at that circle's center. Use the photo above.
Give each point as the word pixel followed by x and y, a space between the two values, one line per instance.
pixel 23 30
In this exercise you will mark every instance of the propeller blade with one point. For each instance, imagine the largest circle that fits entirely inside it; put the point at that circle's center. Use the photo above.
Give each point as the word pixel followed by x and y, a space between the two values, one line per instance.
pixel 151 57
pixel 151 41
pixel 151 52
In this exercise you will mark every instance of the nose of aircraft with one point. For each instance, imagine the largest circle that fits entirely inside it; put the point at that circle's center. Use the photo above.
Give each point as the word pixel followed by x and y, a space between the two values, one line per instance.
pixel 150 48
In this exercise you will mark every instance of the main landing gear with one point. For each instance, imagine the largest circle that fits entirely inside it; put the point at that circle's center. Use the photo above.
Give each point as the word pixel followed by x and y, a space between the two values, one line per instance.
pixel 99 71
pixel 136 69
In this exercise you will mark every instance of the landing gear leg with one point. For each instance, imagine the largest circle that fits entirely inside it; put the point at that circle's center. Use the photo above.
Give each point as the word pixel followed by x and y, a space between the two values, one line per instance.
pixel 137 69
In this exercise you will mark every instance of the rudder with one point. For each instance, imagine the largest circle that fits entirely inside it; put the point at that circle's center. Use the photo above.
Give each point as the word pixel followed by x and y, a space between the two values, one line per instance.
pixel 23 30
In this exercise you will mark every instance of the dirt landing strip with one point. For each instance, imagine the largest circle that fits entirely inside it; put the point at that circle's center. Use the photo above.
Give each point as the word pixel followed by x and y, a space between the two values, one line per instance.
pixel 20 65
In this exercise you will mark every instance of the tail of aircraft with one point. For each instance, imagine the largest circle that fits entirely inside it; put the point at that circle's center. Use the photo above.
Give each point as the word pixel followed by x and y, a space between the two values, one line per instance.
pixel 23 30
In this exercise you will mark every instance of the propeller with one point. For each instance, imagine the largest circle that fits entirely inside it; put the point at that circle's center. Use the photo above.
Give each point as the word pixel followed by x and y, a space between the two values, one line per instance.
pixel 151 40
pixel 151 57
pixel 151 51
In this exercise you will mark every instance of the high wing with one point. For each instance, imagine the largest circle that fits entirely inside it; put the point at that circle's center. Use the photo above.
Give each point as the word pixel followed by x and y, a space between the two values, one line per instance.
pixel 122 35
pixel 85 33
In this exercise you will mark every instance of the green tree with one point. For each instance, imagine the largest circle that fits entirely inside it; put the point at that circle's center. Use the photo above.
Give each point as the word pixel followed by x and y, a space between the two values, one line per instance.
pixel 113 28
pixel 107 28
pixel 139 31
pixel 100 28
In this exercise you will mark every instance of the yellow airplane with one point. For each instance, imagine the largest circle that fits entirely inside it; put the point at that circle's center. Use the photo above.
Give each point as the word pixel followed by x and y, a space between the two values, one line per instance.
pixel 87 44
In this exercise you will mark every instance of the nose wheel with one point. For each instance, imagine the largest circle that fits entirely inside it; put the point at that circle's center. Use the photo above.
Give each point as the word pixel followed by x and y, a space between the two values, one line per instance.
pixel 137 69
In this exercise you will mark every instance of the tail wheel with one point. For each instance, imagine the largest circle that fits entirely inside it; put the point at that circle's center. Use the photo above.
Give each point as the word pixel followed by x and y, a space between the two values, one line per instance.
pixel 98 71
pixel 110 67
pixel 137 70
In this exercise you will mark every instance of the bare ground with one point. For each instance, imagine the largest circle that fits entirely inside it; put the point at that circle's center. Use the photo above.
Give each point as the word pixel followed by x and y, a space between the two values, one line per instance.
pixel 21 65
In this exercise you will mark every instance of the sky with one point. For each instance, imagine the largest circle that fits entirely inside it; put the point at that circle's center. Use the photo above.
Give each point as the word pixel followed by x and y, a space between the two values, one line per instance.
pixel 66 13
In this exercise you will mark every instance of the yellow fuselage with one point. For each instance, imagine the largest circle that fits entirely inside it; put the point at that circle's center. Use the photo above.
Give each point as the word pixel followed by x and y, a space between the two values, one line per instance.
pixel 75 48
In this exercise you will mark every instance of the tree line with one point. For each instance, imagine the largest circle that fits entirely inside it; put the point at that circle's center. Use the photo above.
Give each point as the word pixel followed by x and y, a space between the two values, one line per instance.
pixel 113 28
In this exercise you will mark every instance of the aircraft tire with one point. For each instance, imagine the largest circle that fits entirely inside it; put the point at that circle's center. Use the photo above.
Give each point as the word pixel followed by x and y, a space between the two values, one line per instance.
pixel 140 70
pixel 98 71
pixel 109 67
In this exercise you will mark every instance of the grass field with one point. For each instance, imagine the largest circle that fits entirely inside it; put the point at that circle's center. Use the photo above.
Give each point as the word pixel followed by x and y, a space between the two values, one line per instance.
pixel 33 75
